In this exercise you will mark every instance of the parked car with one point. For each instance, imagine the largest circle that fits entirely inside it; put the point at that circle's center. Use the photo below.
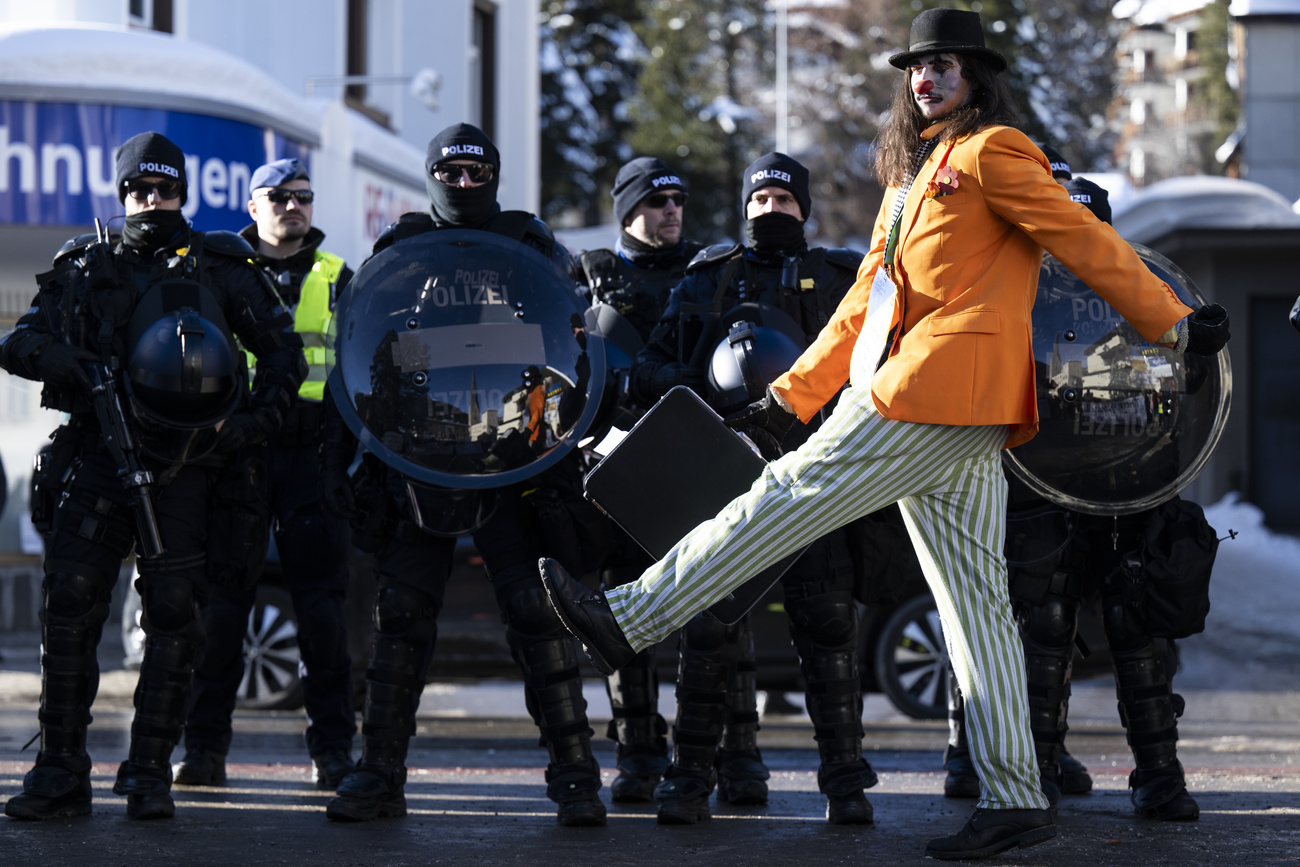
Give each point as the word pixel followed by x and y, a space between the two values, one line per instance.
pixel 903 654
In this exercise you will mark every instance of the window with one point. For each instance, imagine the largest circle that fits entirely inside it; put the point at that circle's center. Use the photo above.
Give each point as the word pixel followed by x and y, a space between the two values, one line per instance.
pixel 150 14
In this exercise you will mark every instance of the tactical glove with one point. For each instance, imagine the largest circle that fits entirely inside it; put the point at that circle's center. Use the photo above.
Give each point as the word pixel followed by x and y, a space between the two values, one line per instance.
pixel 247 428
pixel 64 366
pixel 1207 330
pixel 766 422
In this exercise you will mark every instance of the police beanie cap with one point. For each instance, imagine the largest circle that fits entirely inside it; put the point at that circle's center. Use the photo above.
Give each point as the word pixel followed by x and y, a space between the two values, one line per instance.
pixel 149 154
pixel 463 141
pixel 778 170
pixel 1060 168
pixel 1091 196
pixel 277 173
pixel 639 178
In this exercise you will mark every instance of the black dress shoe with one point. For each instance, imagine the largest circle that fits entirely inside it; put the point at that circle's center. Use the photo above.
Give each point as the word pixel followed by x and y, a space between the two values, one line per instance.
pixel 992 831
pixel 586 614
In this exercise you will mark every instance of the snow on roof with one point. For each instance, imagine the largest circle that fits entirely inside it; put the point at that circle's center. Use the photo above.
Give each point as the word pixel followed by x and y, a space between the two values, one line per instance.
pixel 1143 12
pixel 1246 8
pixel 1203 202
pixel 89 61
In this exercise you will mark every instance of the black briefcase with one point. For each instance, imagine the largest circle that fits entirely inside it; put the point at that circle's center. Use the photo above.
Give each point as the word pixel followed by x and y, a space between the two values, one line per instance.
pixel 678 467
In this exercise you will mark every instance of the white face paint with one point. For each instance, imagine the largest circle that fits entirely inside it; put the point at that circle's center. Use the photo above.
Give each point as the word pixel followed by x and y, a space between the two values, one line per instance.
pixel 937 85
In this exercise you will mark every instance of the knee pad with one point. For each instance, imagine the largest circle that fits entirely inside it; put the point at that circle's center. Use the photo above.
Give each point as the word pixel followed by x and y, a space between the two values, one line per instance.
pixel 830 621
pixel 1052 622
pixel 168 604
pixel 529 613
pixel 1123 633
pixel 404 611
pixel 70 595
pixel 706 633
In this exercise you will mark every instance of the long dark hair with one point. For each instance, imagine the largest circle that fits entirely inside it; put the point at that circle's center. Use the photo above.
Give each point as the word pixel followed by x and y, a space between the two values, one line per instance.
pixel 991 104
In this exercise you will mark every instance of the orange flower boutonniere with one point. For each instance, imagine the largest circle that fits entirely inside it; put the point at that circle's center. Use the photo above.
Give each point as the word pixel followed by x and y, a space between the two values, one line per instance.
pixel 945 182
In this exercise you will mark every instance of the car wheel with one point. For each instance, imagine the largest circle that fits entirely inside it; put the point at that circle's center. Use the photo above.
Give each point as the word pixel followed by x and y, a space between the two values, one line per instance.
pixel 911 660
pixel 270 680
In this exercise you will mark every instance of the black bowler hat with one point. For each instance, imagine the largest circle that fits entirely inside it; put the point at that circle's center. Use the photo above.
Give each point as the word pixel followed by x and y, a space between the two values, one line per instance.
pixel 947 30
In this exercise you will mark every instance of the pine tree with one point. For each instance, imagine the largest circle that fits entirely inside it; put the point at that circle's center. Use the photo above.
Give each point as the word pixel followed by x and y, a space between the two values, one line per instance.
pixel 590 62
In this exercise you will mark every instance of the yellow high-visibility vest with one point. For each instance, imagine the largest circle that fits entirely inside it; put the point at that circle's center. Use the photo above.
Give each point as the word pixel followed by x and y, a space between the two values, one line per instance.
pixel 311 319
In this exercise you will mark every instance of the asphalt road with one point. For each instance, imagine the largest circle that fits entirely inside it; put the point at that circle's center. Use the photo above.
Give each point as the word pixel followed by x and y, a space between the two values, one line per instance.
pixel 476 793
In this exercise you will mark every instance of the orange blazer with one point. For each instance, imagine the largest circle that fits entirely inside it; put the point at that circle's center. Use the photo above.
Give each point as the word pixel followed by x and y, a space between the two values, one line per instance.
pixel 966 269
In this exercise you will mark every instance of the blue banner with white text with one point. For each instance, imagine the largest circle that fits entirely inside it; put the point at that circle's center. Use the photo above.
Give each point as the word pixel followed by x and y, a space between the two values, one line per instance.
pixel 57 167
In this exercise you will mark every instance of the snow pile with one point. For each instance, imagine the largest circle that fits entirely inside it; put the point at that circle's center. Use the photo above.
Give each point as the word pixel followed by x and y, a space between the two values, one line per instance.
pixel 1252 635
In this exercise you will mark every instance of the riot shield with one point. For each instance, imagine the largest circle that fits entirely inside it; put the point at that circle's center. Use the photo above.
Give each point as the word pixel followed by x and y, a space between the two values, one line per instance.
pixel 465 359
pixel 1123 424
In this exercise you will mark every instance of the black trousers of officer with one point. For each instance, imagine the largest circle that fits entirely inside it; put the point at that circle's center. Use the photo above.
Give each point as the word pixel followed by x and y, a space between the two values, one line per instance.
pixel 314 550
pixel 1048 618
pixel 93 532
pixel 716 722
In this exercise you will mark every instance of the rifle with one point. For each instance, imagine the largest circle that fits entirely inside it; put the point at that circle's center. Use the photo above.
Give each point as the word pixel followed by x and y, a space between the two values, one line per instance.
pixel 106 398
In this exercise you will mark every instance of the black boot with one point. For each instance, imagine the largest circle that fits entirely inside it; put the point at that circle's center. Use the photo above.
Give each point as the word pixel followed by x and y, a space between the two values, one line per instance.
pixel 962 780
pixel 1075 779
pixel 638 729
pixel 1149 712
pixel 161 698
pixel 742 776
pixel 200 768
pixel 548 660
pixel 702 674
pixel 376 788
pixel 72 619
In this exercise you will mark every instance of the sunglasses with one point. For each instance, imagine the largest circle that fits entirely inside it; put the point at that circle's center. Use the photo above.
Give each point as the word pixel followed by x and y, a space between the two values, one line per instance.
pixel 140 190
pixel 659 200
pixel 450 174
pixel 282 197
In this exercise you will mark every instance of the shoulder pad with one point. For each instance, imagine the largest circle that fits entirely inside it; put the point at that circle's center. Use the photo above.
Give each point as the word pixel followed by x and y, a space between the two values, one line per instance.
pixel 408 225
pixel 227 244
pixel 844 258
pixel 73 246
pixel 711 255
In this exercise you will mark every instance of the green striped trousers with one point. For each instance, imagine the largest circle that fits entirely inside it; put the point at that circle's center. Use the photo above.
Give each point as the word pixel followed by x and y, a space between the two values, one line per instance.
pixel 948 481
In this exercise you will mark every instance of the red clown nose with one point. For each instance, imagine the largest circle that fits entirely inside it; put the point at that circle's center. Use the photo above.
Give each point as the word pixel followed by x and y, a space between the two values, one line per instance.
pixel 924 87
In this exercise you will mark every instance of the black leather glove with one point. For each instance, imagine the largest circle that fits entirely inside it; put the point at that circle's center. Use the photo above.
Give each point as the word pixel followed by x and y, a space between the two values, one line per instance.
pixel 247 428
pixel 65 366
pixel 766 422
pixel 1207 330
pixel 651 381
pixel 334 487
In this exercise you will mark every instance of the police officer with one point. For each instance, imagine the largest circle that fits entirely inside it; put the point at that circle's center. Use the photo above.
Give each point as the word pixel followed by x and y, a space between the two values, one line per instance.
pixel 1090 556
pixel 412 566
pixel 85 312
pixel 649 258
pixel 774 282
pixel 313 546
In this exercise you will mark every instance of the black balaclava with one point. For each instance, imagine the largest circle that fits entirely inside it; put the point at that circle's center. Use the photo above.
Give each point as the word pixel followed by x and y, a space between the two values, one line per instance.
pixel 770 233
pixel 453 207
pixel 153 230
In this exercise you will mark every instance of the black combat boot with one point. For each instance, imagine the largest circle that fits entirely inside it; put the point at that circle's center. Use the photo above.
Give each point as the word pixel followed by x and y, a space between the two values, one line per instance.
pixel 742 776
pixel 376 789
pixel 1149 712
pixel 638 729
pixel 553 695
pixel 200 767
pixel 72 619
pixel 1075 779
pixel 161 698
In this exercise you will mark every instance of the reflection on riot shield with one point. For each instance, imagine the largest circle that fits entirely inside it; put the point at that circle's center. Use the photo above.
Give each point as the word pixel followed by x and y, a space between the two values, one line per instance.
pixel 463 359
pixel 1123 425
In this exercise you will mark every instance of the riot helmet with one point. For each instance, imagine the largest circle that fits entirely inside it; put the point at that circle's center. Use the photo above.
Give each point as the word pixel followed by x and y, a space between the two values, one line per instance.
pixel 761 344
pixel 183 374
